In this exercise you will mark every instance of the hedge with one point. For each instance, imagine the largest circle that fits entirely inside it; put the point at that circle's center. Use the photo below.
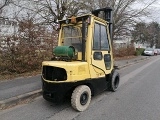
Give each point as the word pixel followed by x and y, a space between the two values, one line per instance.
pixel 139 51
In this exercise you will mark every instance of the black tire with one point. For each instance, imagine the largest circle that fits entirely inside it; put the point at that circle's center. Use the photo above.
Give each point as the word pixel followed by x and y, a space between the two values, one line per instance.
pixel 81 98
pixel 114 81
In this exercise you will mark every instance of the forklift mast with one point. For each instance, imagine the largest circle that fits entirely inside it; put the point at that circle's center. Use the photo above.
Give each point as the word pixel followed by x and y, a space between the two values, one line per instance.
pixel 106 14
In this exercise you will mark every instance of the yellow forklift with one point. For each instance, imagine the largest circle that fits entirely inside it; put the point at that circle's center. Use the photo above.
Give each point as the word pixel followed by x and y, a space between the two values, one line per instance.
pixel 82 65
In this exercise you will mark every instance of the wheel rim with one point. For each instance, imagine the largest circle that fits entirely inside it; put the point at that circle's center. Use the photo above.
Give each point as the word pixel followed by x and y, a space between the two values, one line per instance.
pixel 84 98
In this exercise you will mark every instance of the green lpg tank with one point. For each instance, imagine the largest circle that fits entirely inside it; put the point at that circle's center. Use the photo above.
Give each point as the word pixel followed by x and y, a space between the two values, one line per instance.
pixel 64 51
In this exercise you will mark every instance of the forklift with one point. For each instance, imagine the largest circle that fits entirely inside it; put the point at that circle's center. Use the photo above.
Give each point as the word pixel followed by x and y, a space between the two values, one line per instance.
pixel 82 65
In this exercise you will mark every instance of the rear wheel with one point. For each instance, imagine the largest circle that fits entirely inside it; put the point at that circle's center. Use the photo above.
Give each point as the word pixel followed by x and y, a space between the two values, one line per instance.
pixel 81 98
pixel 114 81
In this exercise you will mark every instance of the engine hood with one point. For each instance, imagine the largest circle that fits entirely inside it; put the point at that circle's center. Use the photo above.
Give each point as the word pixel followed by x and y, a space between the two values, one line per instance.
pixel 76 70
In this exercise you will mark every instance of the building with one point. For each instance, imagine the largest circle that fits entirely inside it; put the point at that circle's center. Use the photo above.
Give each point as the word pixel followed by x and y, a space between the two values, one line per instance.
pixel 122 41
pixel 141 45
pixel 8 28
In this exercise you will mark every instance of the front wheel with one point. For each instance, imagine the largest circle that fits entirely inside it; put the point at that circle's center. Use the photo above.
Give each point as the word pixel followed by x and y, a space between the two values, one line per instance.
pixel 81 98
pixel 114 80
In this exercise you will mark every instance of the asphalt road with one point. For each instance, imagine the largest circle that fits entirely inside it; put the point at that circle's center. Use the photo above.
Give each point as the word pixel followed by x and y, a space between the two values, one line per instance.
pixel 138 98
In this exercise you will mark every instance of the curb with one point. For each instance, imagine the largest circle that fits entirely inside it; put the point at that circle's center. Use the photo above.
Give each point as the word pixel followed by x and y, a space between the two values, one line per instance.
pixel 27 97
pixel 135 61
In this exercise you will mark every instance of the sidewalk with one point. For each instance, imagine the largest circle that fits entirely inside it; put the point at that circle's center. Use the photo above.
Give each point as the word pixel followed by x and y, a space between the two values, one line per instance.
pixel 123 63
pixel 15 91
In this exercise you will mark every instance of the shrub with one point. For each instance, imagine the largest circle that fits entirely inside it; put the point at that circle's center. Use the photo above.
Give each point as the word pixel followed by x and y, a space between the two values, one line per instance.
pixel 25 51
pixel 139 51
pixel 124 51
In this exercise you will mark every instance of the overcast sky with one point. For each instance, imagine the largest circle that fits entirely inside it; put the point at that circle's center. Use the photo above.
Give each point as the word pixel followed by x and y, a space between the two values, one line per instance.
pixel 154 9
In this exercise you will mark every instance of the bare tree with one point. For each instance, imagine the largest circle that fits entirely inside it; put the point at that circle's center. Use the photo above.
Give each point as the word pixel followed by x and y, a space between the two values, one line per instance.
pixel 47 12
pixel 4 3
pixel 125 13
pixel 147 33
pixel 140 32
pixel 53 10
